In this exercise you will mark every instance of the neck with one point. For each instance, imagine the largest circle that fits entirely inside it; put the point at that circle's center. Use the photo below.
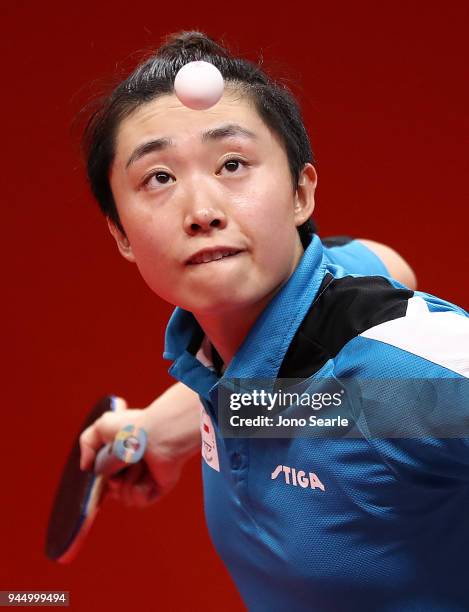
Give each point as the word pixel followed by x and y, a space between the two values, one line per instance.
pixel 227 330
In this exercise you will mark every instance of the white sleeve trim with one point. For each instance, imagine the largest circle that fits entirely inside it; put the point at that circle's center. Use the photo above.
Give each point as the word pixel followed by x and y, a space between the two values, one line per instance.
pixel 440 337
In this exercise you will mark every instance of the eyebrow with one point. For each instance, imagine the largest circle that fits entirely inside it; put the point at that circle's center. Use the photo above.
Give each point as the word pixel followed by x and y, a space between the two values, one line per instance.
pixel 228 130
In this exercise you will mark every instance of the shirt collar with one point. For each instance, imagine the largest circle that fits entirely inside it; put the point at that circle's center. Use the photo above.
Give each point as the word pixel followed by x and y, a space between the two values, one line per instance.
pixel 262 351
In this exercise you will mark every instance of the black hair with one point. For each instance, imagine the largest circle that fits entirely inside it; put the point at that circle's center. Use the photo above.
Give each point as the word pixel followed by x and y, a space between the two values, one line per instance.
pixel 273 101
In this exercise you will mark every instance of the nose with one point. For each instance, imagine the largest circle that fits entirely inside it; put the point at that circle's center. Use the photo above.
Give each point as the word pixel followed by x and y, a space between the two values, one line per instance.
pixel 204 219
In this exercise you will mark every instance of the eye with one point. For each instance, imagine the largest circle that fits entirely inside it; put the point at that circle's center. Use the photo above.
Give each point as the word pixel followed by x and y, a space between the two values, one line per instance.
pixel 160 178
pixel 233 164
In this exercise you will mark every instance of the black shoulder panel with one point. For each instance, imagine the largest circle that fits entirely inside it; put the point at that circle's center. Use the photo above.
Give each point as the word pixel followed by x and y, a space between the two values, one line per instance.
pixel 344 308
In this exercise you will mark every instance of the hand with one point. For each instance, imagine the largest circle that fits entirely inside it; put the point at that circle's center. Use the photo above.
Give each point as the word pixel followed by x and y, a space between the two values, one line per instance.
pixel 158 471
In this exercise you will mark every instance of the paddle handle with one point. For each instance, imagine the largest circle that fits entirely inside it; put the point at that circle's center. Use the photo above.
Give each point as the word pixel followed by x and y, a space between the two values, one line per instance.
pixel 127 448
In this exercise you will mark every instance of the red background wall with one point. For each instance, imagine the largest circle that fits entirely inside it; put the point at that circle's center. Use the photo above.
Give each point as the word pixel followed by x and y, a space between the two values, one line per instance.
pixel 385 97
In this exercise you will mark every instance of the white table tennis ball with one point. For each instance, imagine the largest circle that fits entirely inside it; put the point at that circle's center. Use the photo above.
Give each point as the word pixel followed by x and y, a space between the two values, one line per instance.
pixel 199 85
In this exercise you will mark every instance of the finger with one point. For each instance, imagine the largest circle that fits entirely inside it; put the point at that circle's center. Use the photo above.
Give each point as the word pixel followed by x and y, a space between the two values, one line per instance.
pixel 134 487
pixel 98 431
pixel 137 487
pixel 119 403
pixel 131 474
pixel 128 480
pixel 120 484
pixel 96 435
pixel 143 492
pixel 113 489
pixel 146 492
pixel 102 431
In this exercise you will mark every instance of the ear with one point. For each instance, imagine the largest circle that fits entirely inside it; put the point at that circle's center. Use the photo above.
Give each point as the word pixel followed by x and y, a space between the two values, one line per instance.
pixel 122 241
pixel 304 196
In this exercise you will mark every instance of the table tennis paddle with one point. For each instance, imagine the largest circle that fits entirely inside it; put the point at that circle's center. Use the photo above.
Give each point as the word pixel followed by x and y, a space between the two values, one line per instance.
pixel 79 492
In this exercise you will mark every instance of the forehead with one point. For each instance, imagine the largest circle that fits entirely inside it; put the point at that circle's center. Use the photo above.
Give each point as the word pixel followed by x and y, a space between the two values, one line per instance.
pixel 167 117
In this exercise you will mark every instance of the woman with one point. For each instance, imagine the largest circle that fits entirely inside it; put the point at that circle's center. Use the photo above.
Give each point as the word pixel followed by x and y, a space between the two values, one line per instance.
pixel 214 208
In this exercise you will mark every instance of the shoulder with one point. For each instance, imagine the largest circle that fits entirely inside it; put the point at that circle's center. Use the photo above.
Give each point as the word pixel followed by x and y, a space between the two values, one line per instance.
pixel 364 321
pixel 354 256
pixel 363 256
pixel 396 265
pixel 429 338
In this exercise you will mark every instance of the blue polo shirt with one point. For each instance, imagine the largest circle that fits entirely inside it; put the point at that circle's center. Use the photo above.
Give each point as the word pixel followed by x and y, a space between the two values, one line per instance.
pixel 336 525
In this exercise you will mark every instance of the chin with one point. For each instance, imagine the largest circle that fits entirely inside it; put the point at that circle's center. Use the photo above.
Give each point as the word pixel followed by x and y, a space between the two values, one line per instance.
pixel 213 307
pixel 228 301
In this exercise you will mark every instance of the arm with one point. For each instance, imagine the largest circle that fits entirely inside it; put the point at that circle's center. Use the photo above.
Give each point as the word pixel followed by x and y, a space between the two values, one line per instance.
pixel 397 266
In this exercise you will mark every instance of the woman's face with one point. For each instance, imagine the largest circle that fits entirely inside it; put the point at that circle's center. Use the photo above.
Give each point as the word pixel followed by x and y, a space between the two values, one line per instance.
pixel 207 204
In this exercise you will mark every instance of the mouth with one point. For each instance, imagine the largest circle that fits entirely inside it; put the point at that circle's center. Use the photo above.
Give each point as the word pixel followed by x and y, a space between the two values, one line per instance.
pixel 211 255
